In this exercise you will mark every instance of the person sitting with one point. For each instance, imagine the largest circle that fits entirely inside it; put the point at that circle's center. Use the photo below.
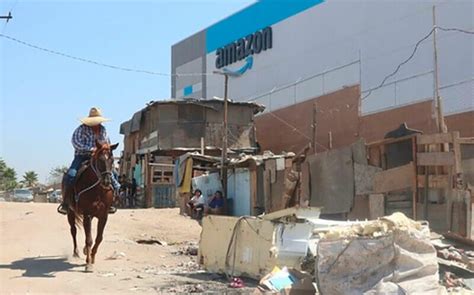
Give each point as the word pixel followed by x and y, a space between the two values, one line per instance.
pixel 216 205
pixel 197 203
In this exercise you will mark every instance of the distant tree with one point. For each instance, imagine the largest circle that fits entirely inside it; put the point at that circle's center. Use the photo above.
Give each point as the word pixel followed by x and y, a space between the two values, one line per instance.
pixel 56 174
pixel 7 177
pixel 30 178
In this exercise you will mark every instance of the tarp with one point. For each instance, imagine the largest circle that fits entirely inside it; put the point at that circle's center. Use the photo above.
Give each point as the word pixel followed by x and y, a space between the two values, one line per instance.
pixel 185 186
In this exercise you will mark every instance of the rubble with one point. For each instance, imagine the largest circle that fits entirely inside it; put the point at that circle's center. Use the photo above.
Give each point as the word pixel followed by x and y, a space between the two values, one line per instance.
pixel 116 255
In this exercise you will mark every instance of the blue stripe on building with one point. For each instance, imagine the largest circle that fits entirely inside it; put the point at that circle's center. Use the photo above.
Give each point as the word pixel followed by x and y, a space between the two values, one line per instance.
pixel 262 14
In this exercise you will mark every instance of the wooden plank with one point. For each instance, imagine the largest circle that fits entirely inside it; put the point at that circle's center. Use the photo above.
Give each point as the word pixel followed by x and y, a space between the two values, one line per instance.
pixel 457 153
pixel 394 179
pixel 399 205
pixel 434 181
pixel 435 159
pixel 376 206
pixel 253 191
pixel 434 138
pixel 466 140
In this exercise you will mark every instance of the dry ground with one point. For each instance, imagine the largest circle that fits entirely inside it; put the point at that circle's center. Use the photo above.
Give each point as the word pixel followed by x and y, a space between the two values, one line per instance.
pixel 36 254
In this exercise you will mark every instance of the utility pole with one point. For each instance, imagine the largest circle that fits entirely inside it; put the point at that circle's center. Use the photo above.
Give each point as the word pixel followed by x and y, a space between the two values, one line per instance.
pixel 224 134
pixel 313 126
pixel 7 17
pixel 224 140
pixel 441 124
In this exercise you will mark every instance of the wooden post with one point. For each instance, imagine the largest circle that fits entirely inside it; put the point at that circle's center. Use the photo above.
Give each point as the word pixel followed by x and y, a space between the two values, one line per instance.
pixel 313 125
pixel 330 139
pixel 415 180
pixel 202 146
pixel 441 124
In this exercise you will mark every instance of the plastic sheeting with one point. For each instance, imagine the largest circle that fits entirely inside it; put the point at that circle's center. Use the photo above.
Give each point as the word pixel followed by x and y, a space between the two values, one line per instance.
pixel 382 258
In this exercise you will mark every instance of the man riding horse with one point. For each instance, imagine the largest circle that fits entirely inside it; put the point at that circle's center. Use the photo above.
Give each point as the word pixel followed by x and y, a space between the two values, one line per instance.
pixel 84 141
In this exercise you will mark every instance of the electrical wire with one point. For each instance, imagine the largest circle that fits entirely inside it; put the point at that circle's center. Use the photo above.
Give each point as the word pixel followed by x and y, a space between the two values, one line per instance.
pixel 456 29
pixel 412 55
pixel 399 66
pixel 99 63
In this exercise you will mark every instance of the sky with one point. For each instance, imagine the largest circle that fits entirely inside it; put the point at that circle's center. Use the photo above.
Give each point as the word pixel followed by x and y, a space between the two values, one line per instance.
pixel 42 96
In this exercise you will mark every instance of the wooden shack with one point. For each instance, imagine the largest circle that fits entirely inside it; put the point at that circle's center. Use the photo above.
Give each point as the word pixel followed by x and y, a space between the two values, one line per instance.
pixel 164 130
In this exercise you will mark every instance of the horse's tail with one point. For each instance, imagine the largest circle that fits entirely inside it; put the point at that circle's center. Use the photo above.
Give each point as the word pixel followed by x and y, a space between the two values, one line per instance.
pixel 78 217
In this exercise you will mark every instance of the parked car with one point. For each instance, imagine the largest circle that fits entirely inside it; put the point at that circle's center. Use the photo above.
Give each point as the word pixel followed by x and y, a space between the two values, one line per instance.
pixel 55 196
pixel 22 195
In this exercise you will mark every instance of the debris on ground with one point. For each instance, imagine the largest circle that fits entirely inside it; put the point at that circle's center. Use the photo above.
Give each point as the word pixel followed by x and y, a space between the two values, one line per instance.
pixel 151 242
pixel 456 262
pixel 188 288
pixel 236 283
pixel 191 250
pixel 450 280
pixel 107 274
pixel 116 255
pixel 287 281
pixel 390 254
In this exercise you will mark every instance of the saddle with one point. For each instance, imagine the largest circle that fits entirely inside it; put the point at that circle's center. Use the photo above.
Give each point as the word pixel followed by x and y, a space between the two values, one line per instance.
pixel 70 189
pixel 81 170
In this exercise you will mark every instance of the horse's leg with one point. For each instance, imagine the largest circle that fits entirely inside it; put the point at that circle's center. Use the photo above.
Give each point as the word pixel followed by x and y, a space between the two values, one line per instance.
pixel 72 224
pixel 87 248
pixel 100 232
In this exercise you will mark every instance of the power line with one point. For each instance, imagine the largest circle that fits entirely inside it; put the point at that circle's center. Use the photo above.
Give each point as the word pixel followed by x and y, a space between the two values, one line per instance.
pixel 399 66
pixel 294 129
pixel 456 29
pixel 120 68
pixel 412 55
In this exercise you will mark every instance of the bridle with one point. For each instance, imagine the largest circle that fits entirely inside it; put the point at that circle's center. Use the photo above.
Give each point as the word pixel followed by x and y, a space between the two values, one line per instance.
pixel 100 175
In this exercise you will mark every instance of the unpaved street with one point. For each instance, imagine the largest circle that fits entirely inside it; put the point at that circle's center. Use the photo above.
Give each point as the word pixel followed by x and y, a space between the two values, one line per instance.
pixel 36 254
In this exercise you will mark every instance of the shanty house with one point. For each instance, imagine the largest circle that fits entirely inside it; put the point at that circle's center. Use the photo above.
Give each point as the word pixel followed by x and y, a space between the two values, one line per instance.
pixel 164 130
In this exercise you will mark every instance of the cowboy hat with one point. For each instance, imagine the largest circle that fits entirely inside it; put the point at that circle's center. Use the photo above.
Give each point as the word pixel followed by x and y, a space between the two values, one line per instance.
pixel 95 118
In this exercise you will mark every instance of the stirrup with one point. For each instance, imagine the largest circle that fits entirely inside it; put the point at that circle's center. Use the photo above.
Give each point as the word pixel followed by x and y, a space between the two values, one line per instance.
pixel 62 210
pixel 112 210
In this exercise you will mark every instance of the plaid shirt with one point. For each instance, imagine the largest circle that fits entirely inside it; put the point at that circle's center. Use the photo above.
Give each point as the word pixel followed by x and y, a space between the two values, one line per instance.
pixel 83 139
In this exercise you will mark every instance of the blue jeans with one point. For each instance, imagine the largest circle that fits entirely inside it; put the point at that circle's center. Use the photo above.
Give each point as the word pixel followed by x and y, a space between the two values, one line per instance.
pixel 76 164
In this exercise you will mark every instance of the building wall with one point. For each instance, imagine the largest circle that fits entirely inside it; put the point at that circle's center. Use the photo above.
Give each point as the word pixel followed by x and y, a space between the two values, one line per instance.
pixel 289 129
pixel 351 42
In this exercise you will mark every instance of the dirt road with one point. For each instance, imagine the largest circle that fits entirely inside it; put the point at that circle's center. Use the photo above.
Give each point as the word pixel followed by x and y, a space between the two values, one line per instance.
pixel 36 254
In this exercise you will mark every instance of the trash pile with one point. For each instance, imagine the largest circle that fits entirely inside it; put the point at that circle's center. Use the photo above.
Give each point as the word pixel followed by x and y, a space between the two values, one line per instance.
pixel 390 255
pixel 456 261
pixel 286 281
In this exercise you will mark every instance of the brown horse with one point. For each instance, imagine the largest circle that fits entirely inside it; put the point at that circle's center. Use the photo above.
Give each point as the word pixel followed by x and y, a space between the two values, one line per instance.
pixel 94 198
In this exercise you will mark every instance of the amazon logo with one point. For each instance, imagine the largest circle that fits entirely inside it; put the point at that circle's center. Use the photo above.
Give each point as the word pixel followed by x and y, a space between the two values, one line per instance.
pixel 244 47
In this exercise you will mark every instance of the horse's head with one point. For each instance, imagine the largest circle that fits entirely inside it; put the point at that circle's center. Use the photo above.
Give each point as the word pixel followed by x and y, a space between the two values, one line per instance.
pixel 104 161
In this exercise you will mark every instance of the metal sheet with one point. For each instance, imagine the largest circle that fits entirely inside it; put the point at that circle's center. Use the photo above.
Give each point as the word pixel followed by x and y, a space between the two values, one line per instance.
pixel 332 180
pixel 239 191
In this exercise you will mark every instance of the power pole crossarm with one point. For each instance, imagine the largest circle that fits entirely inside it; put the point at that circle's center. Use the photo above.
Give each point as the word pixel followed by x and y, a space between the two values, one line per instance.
pixel 7 17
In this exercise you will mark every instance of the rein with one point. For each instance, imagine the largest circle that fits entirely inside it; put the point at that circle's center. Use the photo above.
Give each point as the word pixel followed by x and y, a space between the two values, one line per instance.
pixel 97 174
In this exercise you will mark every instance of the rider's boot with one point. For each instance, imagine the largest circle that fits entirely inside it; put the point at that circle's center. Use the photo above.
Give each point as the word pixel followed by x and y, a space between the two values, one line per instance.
pixel 63 207
pixel 112 208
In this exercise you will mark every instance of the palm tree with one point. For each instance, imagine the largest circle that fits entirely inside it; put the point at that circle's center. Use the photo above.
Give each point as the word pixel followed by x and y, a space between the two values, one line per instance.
pixel 30 178
pixel 8 179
